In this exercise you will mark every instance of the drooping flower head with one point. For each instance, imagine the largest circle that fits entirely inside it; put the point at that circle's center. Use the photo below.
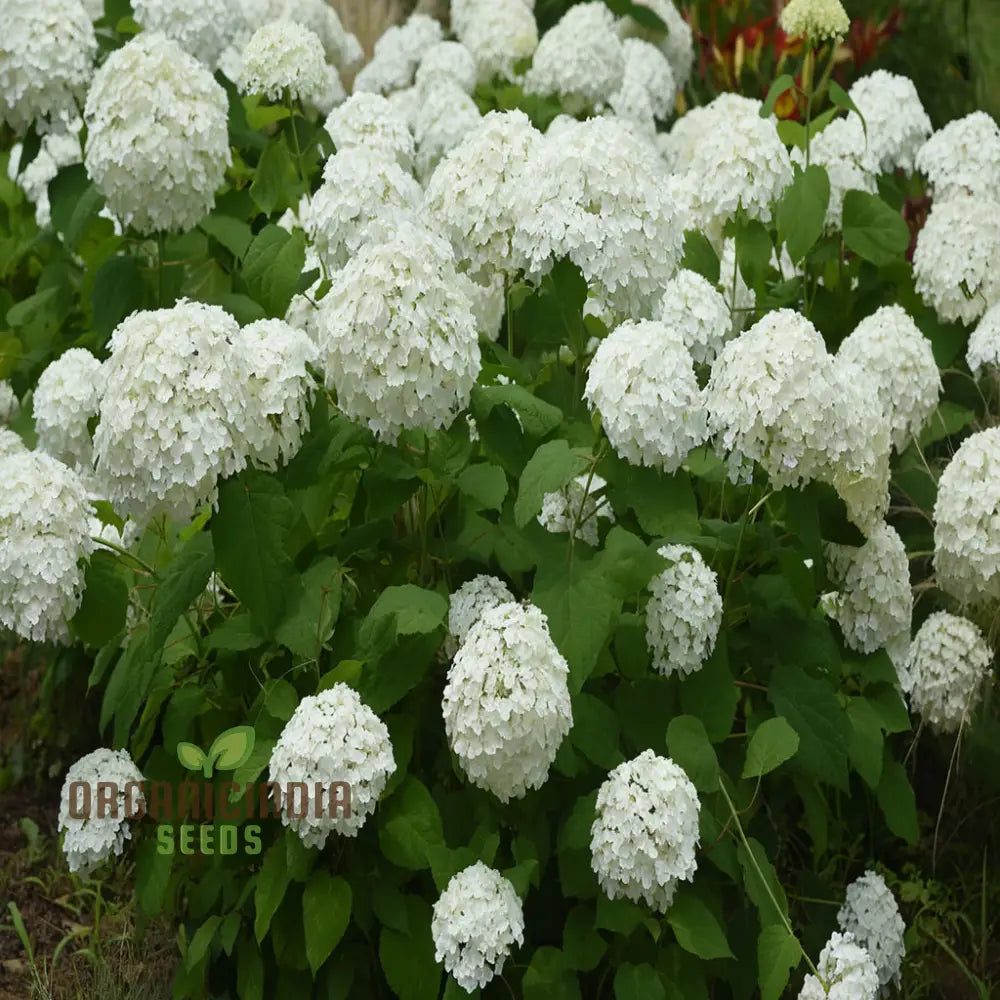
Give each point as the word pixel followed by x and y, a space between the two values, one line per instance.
pixel 331 737
pixel 870 914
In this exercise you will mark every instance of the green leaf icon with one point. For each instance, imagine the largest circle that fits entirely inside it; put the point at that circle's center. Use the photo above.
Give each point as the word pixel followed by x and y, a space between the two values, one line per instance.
pixel 232 748
pixel 192 757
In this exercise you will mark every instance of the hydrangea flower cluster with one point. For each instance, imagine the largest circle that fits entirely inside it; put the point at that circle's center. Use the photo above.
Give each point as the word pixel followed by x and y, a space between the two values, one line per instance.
pixel 874 603
pixel 967 522
pixel 901 361
pixel 446 116
pixel 371 121
pixel 647 92
pixel 645 832
pixel 596 193
pixel 47 58
pixel 898 125
pixel 397 55
pixel 641 380
pixel 332 736
pixel 201 27
pixel 499 34
pixel 158 135
pixel 944 673
pixel 44 539
pixel 449 61
pixel 847 971
pixel 684 613
pixel 963 157
pixel 677 44
pixel 283 57
pixel 476 922
pixel 363 196
pixel 506 702
pixel 10 406
pixel 398 337
pixel 342 48
pixel 871 916
pixel 92 838
pixel 60 148
pixel 694 309
pixel 66 397
pixel 474 597
pixel 473 193
pixel 818 19
pixel 577 508
pixel 983 353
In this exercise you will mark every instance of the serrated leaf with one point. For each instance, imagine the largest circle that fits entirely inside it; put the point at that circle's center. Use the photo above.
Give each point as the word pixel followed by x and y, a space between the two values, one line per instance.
pixel 696 928
pixel 314 609
pixel 536 417
pixel 873 230
pixel 485 484
pixel 551 467
pixel 778 953
pixel 326 912
pixel 271 268
pixel 274 174
pixel 772 743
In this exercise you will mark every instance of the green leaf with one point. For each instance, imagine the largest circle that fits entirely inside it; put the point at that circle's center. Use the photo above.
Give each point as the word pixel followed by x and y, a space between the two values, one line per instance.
pixel 485 484
pixel 274 174
pixel 201 942
pixel 272 267
pixel 711 695
pixel 793 133
pixel 410 823
pixel 272 883
pixel 700 256
pixel 583 947
pixel 101 615
pixel 766 894
pixel 117 293
pixel 74 202
pixel 948 419
pixel 627 563
pixel 691 750
pixel 782 85
pixel 696 928
pixel 407 959
pixel 152 877
pixel 249 532
pixel 548 978
pixel 326 912
pixel 192 757
pixel 551 467
pixel 595 731
pixel 249 971
pixel 232 748
pixel 873 230
pixel 898 802
pixel 638 982
pixel 865 743
pixel 185 580
pixel 802 211
pixel 234 234
pixel 778 953
pixel 842 99
pixel 311 617
pixel 772 743
pixel 640 13
pixel 813 710
pixel 537 418
pixel 413 611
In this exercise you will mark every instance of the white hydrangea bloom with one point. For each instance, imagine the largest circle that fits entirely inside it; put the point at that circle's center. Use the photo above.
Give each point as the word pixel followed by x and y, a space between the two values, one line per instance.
pixel 158 135
pixel 874 603
pixel 93 837
pixel 66 398
pixel 406 102
pixel 647 89
pixel 172 414
pixel 341 47
pixel 398 335
pixel 983 352
pixel 737 159
pixel 489 303
pixel 448 114
pixel 580 502
pixel 642 382
pixel 279 389
pixel 474 191
pixel 819 19
pixel 498 33
pixel 897 123
pixel 59 148
pixel 684 613
pixel 945 672
pixel 398 53
pixel 847 969
pixel 596 193
pixel 47 58
pixel 281 57
pixel 698 313
pixel 967 520
pixel 476 922
pixel 10 406
pixel 870 914
pixel 468 603
pixel 849 160
pixel 44 538
pixel 450 61
pixel 678 43
pixel 506 703
pixel 956 264
pixel 963 157
pixel 370 120
pixel 644 834
pixel 10 442
pixel 901 360
pixel 201 27
pixel 580 59
pixel 332 736
pixel 363 196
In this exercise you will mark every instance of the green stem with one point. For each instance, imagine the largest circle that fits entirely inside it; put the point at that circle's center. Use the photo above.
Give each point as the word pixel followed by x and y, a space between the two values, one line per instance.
pixel 160 253
pixel 144 566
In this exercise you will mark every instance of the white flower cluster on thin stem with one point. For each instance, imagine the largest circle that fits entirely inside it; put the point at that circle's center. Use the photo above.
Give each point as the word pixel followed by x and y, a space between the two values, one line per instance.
pixel 871 915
